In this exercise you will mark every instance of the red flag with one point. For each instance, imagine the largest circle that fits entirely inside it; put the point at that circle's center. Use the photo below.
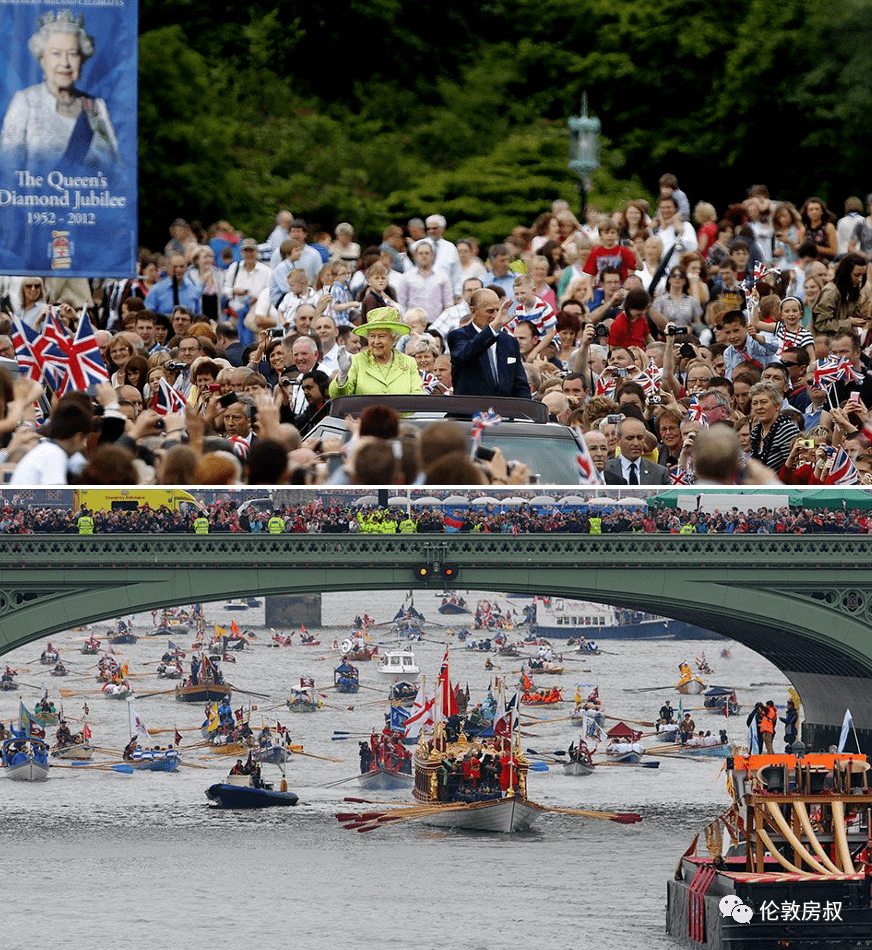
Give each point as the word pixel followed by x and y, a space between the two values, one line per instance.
pixel 177 738
pixel 86 731
pixel 280 729
pixel 449 705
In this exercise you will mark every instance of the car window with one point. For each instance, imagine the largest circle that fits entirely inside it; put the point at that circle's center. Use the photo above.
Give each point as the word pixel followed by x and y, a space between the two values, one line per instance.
pixel 553 459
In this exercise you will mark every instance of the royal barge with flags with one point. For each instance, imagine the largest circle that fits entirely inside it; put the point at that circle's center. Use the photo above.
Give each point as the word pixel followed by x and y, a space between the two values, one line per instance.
pixel 474 785
pixel 561 619
pixel 788 864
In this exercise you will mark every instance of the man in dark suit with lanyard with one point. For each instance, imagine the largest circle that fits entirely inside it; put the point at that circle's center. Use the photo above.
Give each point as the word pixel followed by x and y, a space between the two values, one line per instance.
pixel 485 361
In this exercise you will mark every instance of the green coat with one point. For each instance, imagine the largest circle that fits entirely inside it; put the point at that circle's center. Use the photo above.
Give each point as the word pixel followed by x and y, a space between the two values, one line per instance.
pixel 368 378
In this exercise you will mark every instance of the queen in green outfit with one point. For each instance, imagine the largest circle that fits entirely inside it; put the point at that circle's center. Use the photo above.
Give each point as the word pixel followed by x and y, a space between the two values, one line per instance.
pixel 378 370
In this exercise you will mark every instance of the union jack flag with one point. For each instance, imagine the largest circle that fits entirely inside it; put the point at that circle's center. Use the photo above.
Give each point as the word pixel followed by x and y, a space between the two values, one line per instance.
pixel 168 400
pixel 827 372
pixel 23 336
pixel 587 473
pixel 678 476
pixel 697 413
pixel 848 373
pixel 49 353
pixel 240 446
pixel 306 682
pixel 482 421
pixel 759 271
pixel 843 470
pixel 85 366
pixel 605 385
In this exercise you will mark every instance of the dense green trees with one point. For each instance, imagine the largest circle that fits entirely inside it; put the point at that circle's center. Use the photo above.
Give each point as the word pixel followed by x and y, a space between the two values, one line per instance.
pixel 374 111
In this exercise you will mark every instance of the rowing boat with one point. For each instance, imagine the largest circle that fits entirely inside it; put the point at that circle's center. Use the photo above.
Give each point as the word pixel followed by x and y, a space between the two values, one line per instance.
pixel 25 760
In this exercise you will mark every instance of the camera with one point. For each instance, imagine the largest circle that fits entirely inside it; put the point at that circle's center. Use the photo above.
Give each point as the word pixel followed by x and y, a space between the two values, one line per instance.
pixel 277 333
pixel 484 454
pixel 227 400
pixel 614 419
pixel 655 400
pixel 287 380
pixel 807 443
pixel 601 330
pixel 214 388
pixel 620 371
pixel 671 329
pixel 175 366
pixel 687 351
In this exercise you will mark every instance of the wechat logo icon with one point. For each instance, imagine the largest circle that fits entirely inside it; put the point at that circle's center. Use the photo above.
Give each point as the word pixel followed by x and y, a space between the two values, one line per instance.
pixel 732 906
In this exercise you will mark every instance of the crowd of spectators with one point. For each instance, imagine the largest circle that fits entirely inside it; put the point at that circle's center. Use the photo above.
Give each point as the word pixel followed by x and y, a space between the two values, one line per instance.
pixel 752 323
pixel 225 516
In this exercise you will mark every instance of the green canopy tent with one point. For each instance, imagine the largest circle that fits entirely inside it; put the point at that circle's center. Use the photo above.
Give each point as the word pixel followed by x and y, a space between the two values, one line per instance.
pixel 707 499
pixel 832 499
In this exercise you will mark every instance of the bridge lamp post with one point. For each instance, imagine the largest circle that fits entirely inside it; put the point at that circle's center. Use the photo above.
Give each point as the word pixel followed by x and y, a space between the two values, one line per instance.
pixel 584 150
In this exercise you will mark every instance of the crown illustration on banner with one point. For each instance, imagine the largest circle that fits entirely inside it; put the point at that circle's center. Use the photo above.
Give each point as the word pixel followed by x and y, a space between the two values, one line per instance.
pixel 62 16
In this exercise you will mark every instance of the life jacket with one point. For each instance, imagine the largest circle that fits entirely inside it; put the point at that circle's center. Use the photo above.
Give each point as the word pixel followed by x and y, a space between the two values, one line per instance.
pixel 767 722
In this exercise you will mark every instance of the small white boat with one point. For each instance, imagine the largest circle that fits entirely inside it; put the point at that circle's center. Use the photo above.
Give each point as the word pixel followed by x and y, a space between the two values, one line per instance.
pixel 399 665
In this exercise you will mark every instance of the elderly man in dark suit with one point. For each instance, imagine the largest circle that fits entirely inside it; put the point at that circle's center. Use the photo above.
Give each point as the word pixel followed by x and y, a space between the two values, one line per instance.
pixel 629 468
pixel 485 360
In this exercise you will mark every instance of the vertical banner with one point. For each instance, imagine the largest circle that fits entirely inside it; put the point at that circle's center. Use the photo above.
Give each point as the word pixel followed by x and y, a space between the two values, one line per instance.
pixel 68 145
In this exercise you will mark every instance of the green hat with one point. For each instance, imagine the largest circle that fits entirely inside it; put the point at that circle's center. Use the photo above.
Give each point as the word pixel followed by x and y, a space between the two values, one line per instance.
pixel 383 318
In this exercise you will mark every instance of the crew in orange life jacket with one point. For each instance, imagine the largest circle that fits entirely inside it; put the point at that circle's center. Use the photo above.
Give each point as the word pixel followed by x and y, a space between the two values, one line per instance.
pixel 767 725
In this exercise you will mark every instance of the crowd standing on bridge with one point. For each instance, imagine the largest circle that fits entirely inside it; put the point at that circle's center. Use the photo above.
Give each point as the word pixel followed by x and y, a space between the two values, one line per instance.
pixel 224 516
pixel 683 345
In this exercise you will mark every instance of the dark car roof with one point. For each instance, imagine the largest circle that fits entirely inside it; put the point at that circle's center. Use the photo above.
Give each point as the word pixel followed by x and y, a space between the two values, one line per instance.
pixel 456 407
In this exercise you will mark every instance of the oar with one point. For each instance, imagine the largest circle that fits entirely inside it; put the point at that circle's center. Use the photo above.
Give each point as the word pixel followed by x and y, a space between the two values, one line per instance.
pixel 622 817
pixel 123 768
pixel 312 755
pixel 341 781
pixel 248 692
pixel 162 692
pixel 636 722
pixel 370 801
pixel 647 689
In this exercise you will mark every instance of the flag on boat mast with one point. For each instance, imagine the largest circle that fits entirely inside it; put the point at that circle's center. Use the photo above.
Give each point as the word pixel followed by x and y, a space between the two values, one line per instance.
pixel 137 725
pixel 421 715
pixel 847 722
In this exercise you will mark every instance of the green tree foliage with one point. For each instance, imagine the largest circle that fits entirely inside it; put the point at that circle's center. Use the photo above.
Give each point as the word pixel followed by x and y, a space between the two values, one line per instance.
pixel 185 164
pixel 379 110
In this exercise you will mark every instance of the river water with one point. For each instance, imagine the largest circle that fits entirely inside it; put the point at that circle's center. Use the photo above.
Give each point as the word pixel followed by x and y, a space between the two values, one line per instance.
pixel 99 859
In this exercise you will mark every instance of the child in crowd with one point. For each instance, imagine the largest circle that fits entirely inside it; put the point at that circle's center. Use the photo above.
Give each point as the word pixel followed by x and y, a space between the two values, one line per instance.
pixel 783 318
pixel 378 293
pixel 668 185
pixel 531 308
pixel 757 348
pixel 342 304
pixel 299 292
pixel 728 287
pixel 609 253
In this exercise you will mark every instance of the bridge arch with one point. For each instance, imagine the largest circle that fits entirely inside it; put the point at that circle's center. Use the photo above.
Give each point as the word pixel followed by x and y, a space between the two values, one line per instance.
pixel 802 601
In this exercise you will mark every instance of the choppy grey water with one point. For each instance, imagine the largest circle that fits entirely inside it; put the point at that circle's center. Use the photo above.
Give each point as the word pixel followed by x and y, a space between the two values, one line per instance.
pixel 110 860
